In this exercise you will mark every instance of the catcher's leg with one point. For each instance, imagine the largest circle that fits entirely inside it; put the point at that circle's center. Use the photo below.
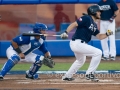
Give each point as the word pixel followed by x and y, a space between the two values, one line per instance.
pixel 9 64
pixel 31 74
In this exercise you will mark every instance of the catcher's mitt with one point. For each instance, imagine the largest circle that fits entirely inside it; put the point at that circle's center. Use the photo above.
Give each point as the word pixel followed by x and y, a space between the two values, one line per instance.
pixel 48 62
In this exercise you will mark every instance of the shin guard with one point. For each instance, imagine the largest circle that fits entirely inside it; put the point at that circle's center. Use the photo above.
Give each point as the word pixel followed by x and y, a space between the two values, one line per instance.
pixel 9 64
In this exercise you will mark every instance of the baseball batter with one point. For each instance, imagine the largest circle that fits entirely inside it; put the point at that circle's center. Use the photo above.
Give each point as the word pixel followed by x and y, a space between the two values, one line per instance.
pixel 21 50
pixel 85 28
pixel 107 22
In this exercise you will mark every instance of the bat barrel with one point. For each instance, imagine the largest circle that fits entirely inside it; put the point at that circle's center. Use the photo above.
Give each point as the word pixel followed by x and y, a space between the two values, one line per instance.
pixel 31 34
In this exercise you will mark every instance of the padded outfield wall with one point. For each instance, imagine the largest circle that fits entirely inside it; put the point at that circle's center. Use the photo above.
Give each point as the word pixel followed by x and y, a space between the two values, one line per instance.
pixel 19 16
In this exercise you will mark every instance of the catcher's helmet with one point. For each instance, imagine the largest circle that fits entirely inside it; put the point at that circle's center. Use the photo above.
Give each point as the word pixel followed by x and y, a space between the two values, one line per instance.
pixel 93 9
pixel 38 27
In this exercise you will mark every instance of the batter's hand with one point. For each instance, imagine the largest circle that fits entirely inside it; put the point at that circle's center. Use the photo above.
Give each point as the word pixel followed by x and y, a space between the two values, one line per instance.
pixel 109 32
pixel 64 35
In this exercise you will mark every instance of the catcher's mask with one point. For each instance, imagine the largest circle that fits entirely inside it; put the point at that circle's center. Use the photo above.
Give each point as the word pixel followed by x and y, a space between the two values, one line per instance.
pixel 38 27
pixel 92 10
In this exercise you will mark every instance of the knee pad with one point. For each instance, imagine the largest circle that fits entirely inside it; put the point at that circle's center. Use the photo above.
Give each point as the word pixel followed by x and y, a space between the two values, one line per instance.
pixel 15 59
pixel 39 60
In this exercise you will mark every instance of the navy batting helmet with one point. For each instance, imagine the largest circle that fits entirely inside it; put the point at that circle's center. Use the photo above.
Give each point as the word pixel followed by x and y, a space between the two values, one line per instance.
pixel 93 9
pixel 38 27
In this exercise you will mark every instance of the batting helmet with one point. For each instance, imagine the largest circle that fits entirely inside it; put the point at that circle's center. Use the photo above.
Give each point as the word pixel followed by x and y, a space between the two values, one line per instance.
pixel 93 9
pixel 38 27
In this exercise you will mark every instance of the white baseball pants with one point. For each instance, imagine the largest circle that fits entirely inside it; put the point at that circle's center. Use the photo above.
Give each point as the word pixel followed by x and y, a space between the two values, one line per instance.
pixel 108 49
pixel 81 50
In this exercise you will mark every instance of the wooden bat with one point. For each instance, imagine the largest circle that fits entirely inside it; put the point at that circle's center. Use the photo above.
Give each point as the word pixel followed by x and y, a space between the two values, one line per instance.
pixel 37 34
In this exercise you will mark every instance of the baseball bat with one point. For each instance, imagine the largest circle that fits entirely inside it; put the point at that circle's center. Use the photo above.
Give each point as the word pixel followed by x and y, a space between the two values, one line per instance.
pixel 37 34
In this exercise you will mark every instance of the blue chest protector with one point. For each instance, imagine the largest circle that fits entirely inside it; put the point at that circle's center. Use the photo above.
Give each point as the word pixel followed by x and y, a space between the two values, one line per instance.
pixel 34 45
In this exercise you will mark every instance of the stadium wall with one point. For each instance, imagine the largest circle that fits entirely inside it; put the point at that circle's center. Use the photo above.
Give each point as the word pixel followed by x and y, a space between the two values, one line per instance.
pixel 57 47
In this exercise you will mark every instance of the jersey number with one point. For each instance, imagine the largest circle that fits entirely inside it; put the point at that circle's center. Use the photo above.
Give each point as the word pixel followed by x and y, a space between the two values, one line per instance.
pixel 92 28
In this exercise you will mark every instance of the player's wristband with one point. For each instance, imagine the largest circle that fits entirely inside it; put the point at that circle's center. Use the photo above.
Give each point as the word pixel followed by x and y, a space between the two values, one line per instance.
pixel 107 34
pixel 114 16
pixel 18 50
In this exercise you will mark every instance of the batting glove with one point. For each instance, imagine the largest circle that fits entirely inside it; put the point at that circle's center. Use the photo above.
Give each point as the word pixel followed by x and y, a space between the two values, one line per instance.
pixel 64 35
pixel 109 32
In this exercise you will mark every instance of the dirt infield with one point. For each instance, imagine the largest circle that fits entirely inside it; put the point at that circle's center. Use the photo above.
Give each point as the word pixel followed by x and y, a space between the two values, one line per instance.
pixel 19 82
pixel 54 81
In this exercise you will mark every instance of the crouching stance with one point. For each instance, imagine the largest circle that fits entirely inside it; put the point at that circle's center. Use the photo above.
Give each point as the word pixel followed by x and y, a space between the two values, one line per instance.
pixel 21 50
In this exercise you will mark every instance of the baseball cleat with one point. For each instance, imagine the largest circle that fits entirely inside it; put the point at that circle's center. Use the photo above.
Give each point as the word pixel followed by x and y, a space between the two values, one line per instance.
pixel 112 58
pixel 67 79
pixel 105 58
pixel 34 77
pixel 1 77
pixel 95 80
pixel 91 77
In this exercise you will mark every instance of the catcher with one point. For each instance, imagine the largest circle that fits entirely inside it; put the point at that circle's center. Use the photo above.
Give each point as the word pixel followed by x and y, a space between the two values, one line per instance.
pixel 21 50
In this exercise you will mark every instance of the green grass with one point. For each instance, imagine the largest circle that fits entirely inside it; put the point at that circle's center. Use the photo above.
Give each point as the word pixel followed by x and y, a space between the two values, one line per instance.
pixel 66 66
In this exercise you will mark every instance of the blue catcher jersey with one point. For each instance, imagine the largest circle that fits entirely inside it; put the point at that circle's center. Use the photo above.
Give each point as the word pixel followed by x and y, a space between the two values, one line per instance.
pixel 86 28
pixel 29 43
pixel 108 8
